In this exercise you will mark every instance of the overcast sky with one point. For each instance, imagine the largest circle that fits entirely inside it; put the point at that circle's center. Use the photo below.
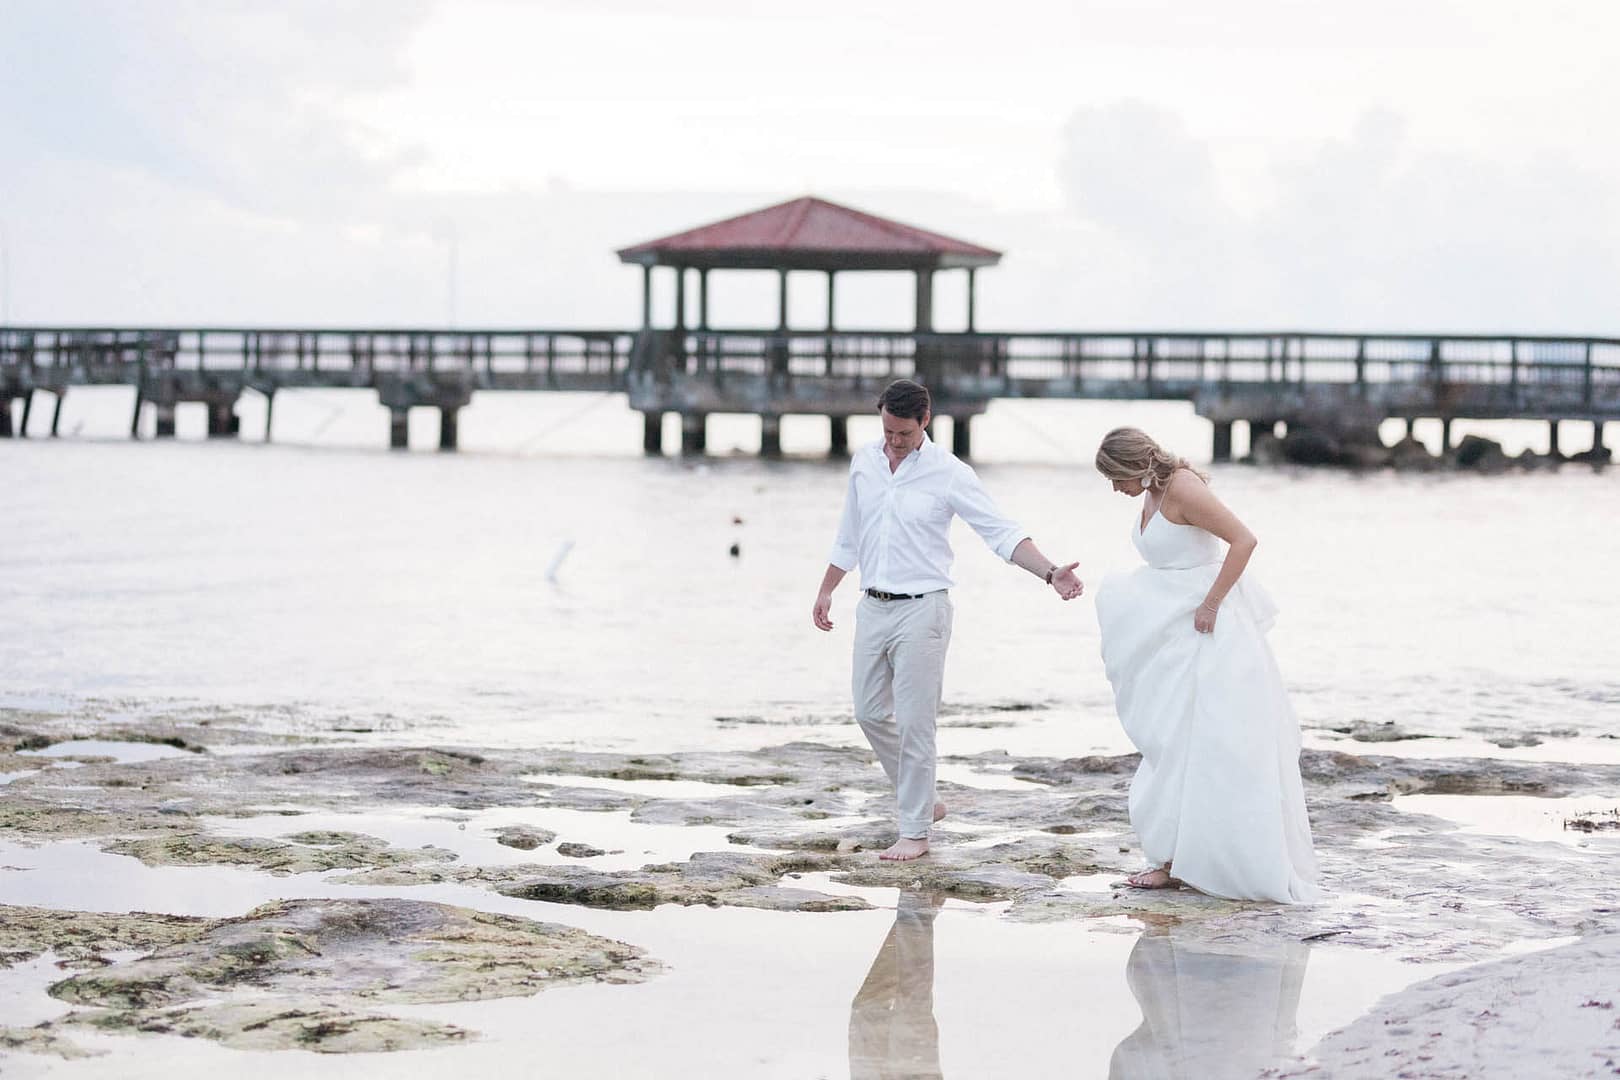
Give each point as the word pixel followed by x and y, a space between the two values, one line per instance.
pixel 1382 165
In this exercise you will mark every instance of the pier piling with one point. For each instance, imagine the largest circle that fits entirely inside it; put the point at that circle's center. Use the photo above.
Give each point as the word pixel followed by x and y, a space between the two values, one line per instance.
pixel 694 433
pixel 165 419
pixel 962 436
pixel 56 413
pixel 447 426
pixel 1222 449
pixel 770 436
pixel 5 415
pixel 223 423
pixel 28 410
pixel 838 436
pixel 652 433
pixel 399 428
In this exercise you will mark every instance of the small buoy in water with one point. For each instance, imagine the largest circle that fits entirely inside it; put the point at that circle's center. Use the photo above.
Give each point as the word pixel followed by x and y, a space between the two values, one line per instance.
pixel 736 550
pixel 736 519
pixel 557 560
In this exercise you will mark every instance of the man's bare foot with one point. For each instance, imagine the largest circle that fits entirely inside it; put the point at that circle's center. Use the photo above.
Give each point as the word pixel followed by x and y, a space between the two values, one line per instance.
pixel 905 849
pixel 1156 878
pixel 939 811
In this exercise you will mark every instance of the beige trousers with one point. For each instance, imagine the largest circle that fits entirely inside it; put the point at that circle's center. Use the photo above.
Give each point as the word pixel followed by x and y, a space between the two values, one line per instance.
pixel 899 672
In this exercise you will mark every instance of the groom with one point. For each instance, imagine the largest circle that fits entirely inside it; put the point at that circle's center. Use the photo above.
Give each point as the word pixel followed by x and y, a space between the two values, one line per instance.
pixel 902 495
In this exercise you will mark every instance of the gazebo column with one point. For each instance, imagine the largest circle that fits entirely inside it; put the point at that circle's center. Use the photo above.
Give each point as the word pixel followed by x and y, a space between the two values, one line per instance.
pixel 971 299
pixel 779 349
pixel 925 301
pixel 704 345
pixel 924 361
pixel 646 297
pixel 827 344
pixel 680 318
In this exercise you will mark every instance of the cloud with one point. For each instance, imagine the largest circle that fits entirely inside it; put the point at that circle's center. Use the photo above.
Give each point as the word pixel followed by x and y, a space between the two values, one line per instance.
pixel 235 100
pixel 1372 231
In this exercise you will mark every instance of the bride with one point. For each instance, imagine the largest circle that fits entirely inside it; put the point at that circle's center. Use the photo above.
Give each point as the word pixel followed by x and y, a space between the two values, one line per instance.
pixel 1217 801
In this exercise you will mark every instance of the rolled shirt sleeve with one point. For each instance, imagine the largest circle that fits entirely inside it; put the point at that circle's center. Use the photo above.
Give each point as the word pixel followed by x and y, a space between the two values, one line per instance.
pixel 969 501
pixel 846 545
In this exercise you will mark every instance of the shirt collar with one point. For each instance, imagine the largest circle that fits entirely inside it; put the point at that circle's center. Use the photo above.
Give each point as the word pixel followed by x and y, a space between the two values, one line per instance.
pixel 923 447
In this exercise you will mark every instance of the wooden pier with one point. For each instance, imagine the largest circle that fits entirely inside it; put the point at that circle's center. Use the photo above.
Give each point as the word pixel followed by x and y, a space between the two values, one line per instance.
pixel 1311 380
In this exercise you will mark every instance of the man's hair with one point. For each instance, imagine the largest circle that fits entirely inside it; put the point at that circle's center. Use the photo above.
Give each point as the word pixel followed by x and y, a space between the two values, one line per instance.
pixel 907 400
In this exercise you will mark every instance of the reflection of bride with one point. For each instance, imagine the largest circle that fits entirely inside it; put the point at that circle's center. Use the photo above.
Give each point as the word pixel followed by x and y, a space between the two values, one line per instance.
pixel 892 1033
pixel 1209 1011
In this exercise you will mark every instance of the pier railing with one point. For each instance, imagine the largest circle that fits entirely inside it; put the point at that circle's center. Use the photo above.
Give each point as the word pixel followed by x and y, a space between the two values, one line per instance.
pixel 1567 371
pixel 315 357
pixel 1579 370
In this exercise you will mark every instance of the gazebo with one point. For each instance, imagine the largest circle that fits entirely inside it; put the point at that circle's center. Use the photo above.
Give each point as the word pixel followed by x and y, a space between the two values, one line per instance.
pixel 803 234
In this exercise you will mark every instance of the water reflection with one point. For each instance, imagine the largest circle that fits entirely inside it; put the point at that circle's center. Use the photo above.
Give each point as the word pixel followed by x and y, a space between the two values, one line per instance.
pixel 1207 1011
pixel 892 1032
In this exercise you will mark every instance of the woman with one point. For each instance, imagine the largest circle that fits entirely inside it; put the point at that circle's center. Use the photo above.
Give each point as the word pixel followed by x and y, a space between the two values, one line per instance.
pixel 1217 801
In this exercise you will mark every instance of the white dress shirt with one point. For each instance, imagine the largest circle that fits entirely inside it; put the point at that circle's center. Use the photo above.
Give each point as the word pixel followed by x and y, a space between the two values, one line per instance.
pixel 896 525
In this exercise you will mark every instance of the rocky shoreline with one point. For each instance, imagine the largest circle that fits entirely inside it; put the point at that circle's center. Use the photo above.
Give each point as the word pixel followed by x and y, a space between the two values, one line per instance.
pixel 796 826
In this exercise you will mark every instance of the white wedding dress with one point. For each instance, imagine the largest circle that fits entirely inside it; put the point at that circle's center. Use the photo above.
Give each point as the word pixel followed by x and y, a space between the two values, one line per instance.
pixel 1218 793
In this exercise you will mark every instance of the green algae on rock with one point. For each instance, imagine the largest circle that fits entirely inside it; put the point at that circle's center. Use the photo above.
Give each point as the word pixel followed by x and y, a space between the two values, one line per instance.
pixel 523 837
pixel 713 879
pixel 42 1040
pixel 312 974
pixel 79 938
pixel 300 853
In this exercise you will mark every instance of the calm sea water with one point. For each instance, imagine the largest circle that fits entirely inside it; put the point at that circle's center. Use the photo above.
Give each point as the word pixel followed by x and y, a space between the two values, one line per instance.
pixel 322 581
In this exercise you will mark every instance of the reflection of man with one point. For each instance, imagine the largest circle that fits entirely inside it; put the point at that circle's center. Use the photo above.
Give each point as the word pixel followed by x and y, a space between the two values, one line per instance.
pixel 892 1033
pixel 1209 1011
pixel 896 524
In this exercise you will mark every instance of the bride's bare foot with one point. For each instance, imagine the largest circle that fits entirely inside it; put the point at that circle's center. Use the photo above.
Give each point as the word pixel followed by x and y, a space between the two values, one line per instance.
pixel 1156 878
pixel 939 810
pixel 905 849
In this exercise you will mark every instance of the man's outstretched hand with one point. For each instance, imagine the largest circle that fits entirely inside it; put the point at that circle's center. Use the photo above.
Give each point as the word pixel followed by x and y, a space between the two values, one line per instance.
pixel 1066 584
pixel 821 614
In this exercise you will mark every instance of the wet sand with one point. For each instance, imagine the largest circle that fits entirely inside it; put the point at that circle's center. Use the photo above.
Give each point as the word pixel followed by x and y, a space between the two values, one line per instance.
pixel 181 897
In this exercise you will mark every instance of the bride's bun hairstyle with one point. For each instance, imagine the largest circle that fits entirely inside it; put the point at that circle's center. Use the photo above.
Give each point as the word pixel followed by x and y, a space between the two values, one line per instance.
pixel 1129 453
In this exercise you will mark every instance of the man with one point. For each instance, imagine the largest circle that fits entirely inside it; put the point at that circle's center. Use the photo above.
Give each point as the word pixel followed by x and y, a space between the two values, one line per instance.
pixel 902 494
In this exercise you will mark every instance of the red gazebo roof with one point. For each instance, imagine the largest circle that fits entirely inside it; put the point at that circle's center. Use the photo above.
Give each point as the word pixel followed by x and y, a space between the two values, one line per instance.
pixel 810 234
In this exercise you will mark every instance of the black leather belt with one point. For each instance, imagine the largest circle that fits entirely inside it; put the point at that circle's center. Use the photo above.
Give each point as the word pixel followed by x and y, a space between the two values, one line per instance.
pixel 879 594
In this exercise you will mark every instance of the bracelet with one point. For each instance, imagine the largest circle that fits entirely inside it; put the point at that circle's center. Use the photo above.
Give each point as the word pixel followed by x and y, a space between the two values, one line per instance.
pixel 1207 606
pixel 1050 571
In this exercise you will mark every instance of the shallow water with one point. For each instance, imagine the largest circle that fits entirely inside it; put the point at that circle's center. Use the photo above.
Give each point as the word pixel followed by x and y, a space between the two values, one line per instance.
pixel 758 993
pixel 332 584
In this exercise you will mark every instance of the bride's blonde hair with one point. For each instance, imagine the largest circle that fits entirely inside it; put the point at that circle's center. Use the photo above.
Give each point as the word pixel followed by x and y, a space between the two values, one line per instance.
pixel 1129 453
